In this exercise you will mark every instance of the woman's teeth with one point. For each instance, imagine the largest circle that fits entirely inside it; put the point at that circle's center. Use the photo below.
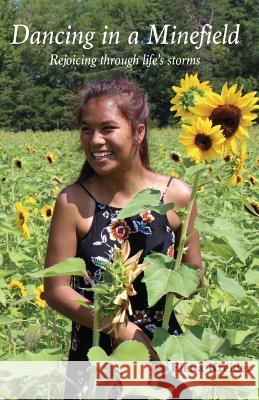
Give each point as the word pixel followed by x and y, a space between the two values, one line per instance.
pixel 101 154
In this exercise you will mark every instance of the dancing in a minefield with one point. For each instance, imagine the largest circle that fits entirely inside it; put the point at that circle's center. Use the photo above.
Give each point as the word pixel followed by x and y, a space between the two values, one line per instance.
pixel 151 245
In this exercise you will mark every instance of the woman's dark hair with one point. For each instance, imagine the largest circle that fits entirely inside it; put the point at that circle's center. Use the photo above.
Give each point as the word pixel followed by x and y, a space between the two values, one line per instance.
pixel 132 103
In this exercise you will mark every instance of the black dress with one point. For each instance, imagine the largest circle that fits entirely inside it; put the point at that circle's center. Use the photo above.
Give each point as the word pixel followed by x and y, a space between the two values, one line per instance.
pixel 149 231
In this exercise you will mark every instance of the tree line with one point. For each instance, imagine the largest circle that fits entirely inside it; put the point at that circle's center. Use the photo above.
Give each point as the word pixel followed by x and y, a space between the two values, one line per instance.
pixel 39 96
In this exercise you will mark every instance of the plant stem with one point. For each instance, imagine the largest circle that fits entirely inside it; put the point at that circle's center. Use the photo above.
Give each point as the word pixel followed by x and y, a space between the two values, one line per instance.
pixel 37 244
pixel 12 176
pixel 96 333
pixel 180 250
pixel 54 328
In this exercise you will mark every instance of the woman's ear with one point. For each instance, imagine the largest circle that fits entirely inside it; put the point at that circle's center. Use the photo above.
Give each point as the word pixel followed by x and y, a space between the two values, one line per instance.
pixel 140 133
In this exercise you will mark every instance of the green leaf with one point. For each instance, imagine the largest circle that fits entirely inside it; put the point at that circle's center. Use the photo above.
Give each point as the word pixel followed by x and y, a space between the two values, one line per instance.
pixel 19 259
pixel 246 203
pixel 237 337
pixel 252 277
pixel 229 232
pixel 219 248
pixel 7 320
pixel 83 303
pixel 148 199
pixel 160 280
pixel 70 266
pixel 230 286
pixel 2 297
pixel 196 343
pixel 96 353
pixel 4 273
pixel 130 350
pixel 194 169
pixel 8 229
pixel 43 355
pixel 33 334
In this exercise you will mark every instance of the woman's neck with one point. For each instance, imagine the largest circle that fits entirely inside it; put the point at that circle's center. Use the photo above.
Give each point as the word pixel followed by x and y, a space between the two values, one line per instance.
pixel 118 189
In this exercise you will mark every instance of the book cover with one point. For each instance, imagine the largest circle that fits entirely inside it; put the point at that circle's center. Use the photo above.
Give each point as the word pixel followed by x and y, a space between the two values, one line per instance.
pixel 182 53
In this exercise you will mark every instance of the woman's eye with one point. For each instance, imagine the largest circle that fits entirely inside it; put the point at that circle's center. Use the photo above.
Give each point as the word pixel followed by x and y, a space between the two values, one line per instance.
pixel 85 129
pixel 108 128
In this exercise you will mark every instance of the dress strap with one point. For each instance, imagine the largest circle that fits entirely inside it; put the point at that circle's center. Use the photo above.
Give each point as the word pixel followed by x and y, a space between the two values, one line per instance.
pixel 82 186
pixel 168 183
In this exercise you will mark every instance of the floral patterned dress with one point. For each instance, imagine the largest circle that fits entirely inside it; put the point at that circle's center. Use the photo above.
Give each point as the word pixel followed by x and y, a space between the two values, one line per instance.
pixel 149 231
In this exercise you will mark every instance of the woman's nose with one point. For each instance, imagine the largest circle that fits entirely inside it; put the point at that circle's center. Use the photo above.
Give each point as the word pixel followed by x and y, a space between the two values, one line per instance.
pixel 97 137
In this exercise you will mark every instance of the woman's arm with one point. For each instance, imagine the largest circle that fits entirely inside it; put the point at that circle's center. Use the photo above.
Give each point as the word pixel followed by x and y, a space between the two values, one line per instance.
pixel 62 244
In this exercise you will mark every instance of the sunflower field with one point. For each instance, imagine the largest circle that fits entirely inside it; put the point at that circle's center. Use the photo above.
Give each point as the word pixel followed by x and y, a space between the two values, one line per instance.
pixel 35 166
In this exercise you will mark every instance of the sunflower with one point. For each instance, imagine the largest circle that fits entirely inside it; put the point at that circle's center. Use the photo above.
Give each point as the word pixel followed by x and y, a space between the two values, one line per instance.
pixel 25 231
pixel 228 157
pixel 202 141
pixel 18 163
pixel 174 174
pixel 252 180
pixel 39 297
pixel 21 215
pixel 230 110
pixel 188 94
pixel 255 205
pixel 51 158
pixel 176 157
pixel 47 212
pixel 31 200
pixel 15 283
pixel 236 178
pixel 117 287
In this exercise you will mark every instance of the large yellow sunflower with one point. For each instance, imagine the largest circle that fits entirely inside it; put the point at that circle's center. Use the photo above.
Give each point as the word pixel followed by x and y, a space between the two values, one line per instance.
pixel 15 283
pixel 202 141
pixel 39 297
pixel 230 110
pixel 189 92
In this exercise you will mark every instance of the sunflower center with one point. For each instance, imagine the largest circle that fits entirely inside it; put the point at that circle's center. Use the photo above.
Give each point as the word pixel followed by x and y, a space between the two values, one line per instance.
pixel 202 141
pixel 228 116
pixel 18 164
pixel 21 218
pixel 48 212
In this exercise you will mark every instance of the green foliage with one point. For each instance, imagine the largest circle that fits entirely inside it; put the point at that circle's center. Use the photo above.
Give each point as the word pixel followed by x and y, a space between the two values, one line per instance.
pixel 230 286
pixel 227 305
pixel 70 266
pixel 148 199
pixel 195 344
pixel 131 350
pixel 160 279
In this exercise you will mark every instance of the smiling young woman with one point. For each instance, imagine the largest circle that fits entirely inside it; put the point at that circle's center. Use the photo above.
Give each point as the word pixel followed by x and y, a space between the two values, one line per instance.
pixel 113 117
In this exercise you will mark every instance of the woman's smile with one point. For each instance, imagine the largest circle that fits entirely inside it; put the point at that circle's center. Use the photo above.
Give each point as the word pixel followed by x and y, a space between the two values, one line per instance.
pixel 102 155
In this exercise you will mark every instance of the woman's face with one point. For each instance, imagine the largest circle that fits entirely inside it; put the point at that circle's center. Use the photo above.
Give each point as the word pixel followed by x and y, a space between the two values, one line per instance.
pixel 106 136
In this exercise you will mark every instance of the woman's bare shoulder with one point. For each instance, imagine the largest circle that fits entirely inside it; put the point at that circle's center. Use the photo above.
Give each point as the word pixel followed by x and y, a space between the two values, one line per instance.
pixel 75 199
pixel 179 192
